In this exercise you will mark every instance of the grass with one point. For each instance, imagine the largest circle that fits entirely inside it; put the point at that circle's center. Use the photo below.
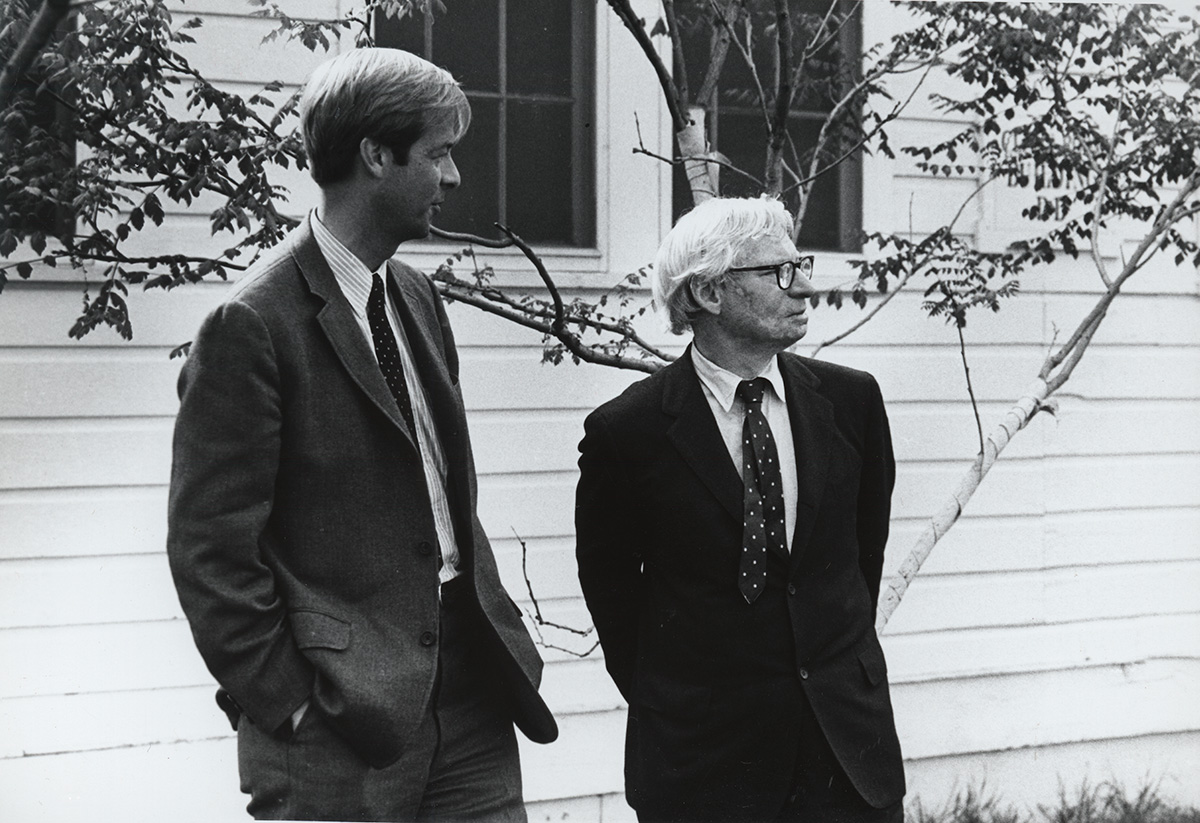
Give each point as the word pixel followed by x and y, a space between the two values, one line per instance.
pixel 1105 803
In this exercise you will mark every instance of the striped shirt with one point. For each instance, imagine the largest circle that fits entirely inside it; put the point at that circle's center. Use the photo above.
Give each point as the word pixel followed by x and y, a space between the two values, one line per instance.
pixel 354 279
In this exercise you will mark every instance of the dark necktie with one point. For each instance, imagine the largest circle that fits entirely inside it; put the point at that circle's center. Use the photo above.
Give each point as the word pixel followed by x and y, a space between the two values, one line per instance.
pixel 763 522
pixel 387 352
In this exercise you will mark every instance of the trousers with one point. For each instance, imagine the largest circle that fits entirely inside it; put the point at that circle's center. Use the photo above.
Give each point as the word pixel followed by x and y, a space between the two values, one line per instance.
pixel 462 764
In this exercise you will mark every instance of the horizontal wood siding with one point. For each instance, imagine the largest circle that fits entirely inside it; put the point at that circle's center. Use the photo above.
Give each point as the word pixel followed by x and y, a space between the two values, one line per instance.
pixel 1054 631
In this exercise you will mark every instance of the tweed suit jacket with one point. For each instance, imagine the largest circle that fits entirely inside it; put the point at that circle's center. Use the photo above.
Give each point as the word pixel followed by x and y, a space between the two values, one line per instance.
pixel 301 536
pixel 714 684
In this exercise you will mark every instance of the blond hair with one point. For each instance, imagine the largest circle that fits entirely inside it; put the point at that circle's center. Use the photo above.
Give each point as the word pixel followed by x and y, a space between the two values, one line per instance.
pixel 388 95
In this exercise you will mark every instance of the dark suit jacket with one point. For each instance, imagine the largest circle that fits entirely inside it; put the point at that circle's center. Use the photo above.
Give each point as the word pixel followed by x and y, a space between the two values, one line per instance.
pixel 301 536
pixel 714 685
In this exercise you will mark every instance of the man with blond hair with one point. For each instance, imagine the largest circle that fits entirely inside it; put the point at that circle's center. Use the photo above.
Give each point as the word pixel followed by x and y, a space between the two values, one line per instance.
pixel 323 533
pixel 731 517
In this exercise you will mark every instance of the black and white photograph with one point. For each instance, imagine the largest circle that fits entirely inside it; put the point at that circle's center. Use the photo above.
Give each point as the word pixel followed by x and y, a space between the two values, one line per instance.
pixel 613 411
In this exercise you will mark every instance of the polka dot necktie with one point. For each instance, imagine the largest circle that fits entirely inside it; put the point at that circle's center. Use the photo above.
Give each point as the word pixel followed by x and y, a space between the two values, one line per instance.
pixel 763 524
pixel 387 352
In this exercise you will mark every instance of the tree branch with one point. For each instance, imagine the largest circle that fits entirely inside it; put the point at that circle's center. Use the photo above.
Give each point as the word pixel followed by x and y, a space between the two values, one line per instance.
pixel 557 325
pixel 681 79
pixel 637 28
pixel 866 318
pixel 49 15
pixel 1070 353
pixel 962 349
pixel 747 57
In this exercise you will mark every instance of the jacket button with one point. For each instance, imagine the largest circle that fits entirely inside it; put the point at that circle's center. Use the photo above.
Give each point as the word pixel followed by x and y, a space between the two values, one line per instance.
pixel 804 674
pixel 425 548
pixel 427 638
pixel 791 588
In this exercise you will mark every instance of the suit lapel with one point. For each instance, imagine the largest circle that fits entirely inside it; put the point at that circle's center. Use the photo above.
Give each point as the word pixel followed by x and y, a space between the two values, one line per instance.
pixel 696 437
pixel 812 428
pixel 336 319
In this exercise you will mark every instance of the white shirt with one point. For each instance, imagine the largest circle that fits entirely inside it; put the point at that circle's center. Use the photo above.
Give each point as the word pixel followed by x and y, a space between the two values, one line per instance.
pixel 720 389
pixel 355 279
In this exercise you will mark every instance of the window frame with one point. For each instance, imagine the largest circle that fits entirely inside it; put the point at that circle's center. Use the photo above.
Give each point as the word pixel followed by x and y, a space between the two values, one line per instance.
pixel 583 102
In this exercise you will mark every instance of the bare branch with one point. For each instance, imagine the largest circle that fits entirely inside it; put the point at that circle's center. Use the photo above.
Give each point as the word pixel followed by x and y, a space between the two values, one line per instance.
pixel 784 93
pixel 747 56
pixel 540 621
pixel 472 239
pixel 553 322
pixel 1069 355
pixel 1101 194
pixel 962 349
pixel 678 161
pixel 637 28
pixel 677 56
pixel 866 318
pixel 720 47
pixel 838 108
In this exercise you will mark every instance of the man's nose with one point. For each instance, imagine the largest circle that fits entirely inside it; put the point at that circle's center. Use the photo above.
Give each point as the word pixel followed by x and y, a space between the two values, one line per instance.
pixel 801 286
pixel 450 177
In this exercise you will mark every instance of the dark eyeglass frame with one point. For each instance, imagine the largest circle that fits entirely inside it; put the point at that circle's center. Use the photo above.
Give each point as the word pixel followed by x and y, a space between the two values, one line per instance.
pixel 785 272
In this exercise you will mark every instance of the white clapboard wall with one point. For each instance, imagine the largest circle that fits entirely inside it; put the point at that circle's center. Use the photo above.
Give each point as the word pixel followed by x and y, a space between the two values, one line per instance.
pixel 1054 634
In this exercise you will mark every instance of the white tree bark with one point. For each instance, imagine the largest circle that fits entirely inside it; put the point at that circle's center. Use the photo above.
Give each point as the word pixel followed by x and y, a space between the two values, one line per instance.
pixel 693 146
pixel 1017 418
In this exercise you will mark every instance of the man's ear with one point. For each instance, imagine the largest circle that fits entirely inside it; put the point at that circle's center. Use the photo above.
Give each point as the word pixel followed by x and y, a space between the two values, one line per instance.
pixel 706 294
pixel 373 155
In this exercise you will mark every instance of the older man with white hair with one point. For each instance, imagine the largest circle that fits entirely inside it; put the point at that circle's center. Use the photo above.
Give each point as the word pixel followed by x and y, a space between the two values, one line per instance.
pixel 731 517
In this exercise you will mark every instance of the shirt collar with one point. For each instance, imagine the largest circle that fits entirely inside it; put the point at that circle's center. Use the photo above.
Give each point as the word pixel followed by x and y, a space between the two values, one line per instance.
pixel 723 383
pixel 353 277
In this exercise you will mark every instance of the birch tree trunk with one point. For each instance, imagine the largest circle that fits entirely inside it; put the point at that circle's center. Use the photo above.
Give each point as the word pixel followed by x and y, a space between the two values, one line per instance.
pixel 1017 418
pixel 693 148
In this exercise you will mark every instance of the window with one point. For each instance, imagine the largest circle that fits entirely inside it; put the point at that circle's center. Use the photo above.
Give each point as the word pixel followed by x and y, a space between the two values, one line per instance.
pixel 833 219
pixel 526 67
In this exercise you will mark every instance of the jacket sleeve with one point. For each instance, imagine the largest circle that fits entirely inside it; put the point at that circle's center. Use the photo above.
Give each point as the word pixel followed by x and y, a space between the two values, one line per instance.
pixel 608 550
pixel 225 461
pixel 875 491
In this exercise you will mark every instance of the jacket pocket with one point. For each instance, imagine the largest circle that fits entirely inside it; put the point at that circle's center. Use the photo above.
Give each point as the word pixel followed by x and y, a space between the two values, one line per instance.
pixel 316 630
pixel 873 665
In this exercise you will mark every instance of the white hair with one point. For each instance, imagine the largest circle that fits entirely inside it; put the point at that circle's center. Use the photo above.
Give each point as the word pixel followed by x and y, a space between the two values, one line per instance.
pixel 704 244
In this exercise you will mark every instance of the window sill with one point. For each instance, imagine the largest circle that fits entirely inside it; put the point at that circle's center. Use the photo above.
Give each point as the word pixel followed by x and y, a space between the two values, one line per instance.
pixel 569 266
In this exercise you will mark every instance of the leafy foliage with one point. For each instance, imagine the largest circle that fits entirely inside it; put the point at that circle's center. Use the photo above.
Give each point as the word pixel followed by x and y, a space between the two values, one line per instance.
pixel 1091 108
pixel 139 129
pixel 1094 108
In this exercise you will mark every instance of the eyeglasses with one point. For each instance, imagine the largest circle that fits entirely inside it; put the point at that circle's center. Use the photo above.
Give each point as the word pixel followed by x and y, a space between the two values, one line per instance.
pixel 785 272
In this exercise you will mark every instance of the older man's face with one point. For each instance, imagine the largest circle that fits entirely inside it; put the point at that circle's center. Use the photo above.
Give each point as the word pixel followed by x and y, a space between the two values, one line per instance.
pixel 755 313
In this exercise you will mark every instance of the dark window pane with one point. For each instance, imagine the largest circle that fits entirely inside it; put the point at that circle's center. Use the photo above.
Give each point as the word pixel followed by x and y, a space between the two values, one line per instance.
pixel 465 42
pixel 526 162
pixel 539 171
pixel 742 138
pixel 473 206
pixel 407 32
pixel 539 46
pixel 822 218
pixel 739 131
